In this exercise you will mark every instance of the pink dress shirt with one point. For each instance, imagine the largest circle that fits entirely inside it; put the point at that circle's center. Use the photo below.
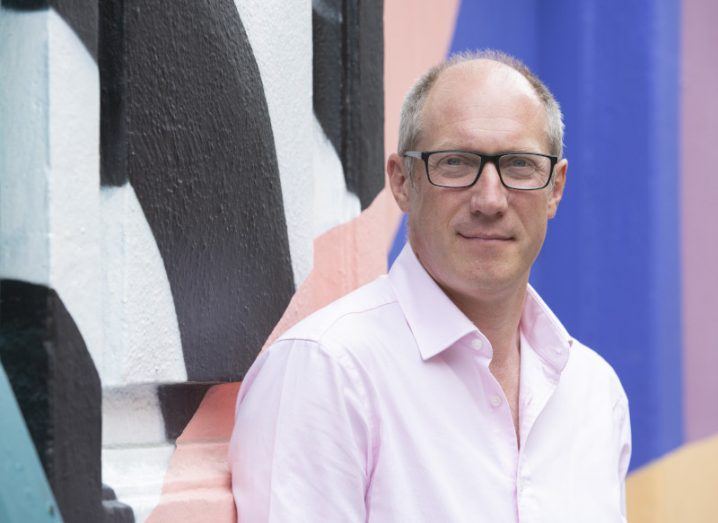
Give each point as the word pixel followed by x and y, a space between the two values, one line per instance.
pixel 381 408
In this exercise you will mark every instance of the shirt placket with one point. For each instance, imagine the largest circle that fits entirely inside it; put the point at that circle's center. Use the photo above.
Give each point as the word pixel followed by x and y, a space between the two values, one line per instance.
pixel 495 403
pixel 537 385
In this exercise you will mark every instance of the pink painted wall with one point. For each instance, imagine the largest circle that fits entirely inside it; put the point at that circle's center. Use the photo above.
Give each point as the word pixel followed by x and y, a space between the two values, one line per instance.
pixel 698 199
pixel 417 35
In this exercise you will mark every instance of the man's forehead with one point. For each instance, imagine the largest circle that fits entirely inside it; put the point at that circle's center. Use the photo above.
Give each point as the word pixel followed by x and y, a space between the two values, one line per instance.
pixel 480 77
pixel 479 95
pixel 481 87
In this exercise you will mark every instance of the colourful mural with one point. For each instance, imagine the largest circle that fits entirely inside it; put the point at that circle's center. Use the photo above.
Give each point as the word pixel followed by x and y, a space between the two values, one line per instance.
pixel 172 178
pixel 180 183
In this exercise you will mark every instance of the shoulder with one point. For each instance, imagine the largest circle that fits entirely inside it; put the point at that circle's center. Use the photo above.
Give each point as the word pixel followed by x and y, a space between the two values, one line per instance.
pixel 349 339
pixel 594 373
pixel 368 307
pixel 326 345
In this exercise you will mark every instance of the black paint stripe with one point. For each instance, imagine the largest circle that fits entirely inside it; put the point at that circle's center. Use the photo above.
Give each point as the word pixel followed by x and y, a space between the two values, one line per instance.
pixel 348 74
pixel 24 5
pixel 328 68
pixel 58 391
pixel 201 158
pixel 113 87
pixel 178 403
pixel 115 511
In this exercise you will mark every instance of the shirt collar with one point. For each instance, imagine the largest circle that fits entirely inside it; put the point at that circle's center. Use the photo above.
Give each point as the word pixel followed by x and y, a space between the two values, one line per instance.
pixel 437 323
pixel 546 335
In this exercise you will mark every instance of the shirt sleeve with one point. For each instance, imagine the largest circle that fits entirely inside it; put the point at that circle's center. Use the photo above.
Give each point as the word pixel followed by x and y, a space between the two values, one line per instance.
pixel 301 440
pixel 624 449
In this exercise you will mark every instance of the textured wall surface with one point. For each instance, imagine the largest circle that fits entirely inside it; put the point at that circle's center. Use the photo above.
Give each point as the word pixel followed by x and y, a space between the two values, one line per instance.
pixel 202 162
pixel 167 195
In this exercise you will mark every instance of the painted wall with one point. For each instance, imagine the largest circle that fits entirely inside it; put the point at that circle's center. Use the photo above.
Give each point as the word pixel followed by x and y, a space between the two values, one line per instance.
pixel 180 184
pixel 177 183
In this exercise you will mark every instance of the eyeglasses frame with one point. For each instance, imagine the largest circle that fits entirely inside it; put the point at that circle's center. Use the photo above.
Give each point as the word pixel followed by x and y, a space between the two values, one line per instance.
pixel 485 158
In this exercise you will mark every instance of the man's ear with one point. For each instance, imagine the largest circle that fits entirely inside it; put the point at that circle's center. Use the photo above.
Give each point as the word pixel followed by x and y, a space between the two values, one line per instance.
pixel 399 180
pixel 557 186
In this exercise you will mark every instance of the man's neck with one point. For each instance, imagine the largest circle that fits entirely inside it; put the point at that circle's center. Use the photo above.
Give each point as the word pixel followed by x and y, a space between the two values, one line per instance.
pixel 497 316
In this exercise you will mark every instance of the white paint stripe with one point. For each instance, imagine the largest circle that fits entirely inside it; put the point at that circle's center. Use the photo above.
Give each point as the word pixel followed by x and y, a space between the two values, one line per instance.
pixel 135 452
pixel 280 34
pixel 333 203
pixel 142 340
pixel 73 180
pixel 24 219
pixel 313 185
pixel 137 475
pixel 105 263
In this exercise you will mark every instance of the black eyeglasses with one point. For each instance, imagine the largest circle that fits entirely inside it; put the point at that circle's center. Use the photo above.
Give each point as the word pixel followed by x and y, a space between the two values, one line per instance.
pixel 461 169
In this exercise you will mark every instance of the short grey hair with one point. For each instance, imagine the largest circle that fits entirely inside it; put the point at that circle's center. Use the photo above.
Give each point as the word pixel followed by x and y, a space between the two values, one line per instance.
pixel 412 108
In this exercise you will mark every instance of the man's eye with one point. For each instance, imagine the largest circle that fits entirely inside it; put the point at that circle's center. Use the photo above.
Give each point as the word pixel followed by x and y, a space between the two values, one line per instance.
pixel 520 162
pixel 455 161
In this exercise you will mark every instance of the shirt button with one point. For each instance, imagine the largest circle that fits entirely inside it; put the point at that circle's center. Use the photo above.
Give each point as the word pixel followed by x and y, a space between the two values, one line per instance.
pixel 495 400
pixel 477 344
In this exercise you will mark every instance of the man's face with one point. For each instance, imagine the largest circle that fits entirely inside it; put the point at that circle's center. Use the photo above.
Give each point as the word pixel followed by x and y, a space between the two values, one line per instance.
pixel 480 240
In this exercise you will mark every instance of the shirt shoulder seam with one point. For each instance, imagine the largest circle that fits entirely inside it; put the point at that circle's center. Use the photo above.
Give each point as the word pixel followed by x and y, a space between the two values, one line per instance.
pixel 320 336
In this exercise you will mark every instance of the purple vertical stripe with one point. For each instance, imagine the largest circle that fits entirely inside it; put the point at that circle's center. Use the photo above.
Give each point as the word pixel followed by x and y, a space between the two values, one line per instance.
pixel 700 236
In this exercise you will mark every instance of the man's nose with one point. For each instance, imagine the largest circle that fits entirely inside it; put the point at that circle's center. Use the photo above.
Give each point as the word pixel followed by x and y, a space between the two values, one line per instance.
pixel 489 196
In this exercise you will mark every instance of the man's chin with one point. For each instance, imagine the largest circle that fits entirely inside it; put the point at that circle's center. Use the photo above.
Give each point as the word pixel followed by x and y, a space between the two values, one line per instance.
pixel 489 277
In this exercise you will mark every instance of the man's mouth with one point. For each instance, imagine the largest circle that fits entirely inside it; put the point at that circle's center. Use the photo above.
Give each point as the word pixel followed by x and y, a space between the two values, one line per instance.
pixel 486 236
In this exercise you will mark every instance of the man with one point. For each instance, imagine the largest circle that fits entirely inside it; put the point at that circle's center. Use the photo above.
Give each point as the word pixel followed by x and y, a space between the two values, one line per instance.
pixel 447 390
